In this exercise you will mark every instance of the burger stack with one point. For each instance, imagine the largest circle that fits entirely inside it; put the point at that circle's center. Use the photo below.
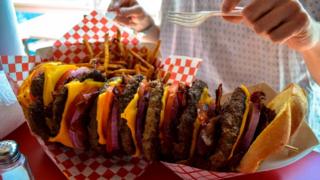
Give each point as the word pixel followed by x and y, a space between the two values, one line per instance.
pixel 130 115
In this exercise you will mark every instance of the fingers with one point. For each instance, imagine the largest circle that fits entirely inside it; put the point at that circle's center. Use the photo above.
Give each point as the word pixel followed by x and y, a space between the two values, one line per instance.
pixel 258 8
pixel 228 5
pixel 233 19
pixel 280 21
pixel 123 20
pixel 274 18
pixel 115 5
pixel 289 28
pixel 132 11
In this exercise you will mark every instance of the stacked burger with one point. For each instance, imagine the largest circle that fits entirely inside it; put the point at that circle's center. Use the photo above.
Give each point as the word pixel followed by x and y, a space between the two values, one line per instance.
pixel 129 115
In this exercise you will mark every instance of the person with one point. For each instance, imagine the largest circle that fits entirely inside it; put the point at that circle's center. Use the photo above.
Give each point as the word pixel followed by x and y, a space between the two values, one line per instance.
pixel 274 41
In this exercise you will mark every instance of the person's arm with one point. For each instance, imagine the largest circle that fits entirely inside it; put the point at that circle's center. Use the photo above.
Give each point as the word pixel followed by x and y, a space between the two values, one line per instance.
pixel 312 56
pixel 130 13
pixel 283 22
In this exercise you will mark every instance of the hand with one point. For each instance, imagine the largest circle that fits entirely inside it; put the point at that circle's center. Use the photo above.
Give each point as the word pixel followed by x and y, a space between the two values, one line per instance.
pixel 130 13
pixel 281 21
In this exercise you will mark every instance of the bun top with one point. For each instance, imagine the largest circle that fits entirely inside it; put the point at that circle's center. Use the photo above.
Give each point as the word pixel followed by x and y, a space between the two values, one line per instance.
pixel 296 97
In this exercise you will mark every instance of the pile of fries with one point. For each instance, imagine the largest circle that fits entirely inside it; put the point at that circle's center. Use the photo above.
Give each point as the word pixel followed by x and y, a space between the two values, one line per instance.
pixel 116 59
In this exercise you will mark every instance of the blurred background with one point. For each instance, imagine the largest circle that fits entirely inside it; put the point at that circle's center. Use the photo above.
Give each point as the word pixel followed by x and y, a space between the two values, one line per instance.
pixel 41 22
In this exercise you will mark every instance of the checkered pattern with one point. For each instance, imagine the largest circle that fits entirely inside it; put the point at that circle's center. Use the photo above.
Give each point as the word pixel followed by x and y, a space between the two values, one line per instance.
pixel 181 68
pixel 18 67
pixel 187 172
pixel 93 28
pixel 76 164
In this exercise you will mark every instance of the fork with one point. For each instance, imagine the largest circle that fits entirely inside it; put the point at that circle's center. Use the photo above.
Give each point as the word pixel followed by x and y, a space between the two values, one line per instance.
pixel 193 19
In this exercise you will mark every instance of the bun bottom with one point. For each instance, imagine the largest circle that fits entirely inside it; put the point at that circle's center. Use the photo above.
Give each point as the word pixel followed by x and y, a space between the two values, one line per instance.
pixel 272 139
pixel 291 108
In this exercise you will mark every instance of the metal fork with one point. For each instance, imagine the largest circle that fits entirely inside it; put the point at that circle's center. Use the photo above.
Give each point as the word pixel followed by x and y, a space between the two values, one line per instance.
pixel 193 19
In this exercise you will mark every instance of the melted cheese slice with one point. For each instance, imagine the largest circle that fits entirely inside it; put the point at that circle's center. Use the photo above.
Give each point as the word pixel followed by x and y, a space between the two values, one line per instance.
pixel 164 102
pixel 103 110
pixel 204 99
pixel 244 119
pixel 130 114
pixel 100 116
pixel 51 76
pixel 74 88
pixel 115 82
pixel 24 91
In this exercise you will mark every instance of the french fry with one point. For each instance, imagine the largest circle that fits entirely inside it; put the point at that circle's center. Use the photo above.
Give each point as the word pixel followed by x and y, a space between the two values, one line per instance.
pixel 158 75
pixel 154 55
pixel 166 77
pixel 98 55
pixel 120 45
pixel 150 66
pixel 131 62
pixel 94 61
pixel 89 48
pixel 106 52
pixel 146 74
pixel 144 69
pixel 137 68
pixel 115 66
pixel 117 59
pixel 144 54
pixel 101 68
pixel 120 71
pixel 121 62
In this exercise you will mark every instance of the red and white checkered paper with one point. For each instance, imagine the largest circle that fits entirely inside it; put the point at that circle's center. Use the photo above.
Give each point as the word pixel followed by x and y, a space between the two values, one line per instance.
pixel 18 67
pixel 187 172
pixel 76 164
pixel 93 28
pixel 181 68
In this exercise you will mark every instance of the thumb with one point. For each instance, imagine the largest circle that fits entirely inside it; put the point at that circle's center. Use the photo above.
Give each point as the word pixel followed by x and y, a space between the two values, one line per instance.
pixel 135 10
pixel 114 5
pixel 228 5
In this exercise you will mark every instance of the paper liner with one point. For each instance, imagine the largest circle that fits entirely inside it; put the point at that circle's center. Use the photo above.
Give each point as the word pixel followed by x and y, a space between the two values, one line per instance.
pixel 187 172
pixel 18 67
pixel 93 27
pixel 77 164
pixel 181 68
pixel 304 139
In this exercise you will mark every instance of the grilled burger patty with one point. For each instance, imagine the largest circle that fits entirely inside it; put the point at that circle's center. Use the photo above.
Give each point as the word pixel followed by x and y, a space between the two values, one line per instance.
pixel 94 74
pixel 36 86
pixel 230 122
pixel 185 128
pixel 36 110
pixel 36 116
pixel 93 125
pixel 46 120
pixel 126 96
pixel 150 139
pixel 57 111
pixel 92 129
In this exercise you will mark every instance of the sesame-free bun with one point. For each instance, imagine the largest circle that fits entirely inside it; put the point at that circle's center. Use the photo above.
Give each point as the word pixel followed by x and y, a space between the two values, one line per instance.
pixel 290 106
